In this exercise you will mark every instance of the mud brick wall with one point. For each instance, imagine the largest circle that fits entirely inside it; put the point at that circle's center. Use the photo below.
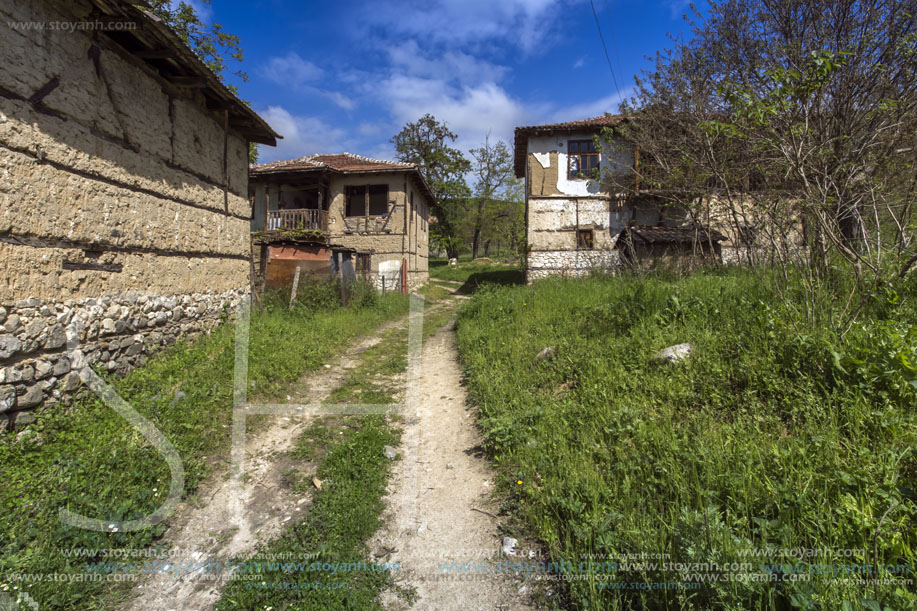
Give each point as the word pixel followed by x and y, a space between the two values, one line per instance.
pixel 402 236
pixel 120 230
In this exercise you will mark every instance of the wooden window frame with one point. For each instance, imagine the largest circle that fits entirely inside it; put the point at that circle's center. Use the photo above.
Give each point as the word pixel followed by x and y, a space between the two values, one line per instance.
pixel 580 156
pixel 585 239
pixel 365 189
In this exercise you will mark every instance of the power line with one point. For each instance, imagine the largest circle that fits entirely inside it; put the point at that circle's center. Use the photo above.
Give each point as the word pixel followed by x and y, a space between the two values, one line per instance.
pixel 614 44
pixel 602 38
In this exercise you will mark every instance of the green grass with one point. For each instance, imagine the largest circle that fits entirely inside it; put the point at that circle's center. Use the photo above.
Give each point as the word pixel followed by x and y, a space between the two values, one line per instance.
pixel 768 437
pixel 89 460
pixel 474 274
pixel 342 516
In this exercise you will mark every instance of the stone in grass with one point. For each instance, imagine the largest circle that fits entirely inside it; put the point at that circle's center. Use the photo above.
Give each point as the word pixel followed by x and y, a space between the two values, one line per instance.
pixel 547 353
pixel 389 452
pixel 673 354
pixel 509 546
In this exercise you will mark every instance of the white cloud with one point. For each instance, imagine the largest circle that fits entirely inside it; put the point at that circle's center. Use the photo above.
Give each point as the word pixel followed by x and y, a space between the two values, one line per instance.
pixel 592 108
pixel 471 111
pixel 298 74
pixel 580 62
pixel 524 23
pixel 457 66
pixel 291 70
pixel 369 129
pixel 337 98
pixel 677 8
pixel 301 136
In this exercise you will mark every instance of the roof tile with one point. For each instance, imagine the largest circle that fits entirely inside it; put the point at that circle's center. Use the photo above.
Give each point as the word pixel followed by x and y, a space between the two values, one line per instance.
pixel 342 162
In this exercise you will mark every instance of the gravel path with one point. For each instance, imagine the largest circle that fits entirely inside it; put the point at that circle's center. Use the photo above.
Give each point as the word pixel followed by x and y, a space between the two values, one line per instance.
pixel 439 501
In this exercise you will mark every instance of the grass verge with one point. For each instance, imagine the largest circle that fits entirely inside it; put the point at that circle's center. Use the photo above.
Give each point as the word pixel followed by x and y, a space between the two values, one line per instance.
pixel 772 436
pixel 474 274
pixel 89 460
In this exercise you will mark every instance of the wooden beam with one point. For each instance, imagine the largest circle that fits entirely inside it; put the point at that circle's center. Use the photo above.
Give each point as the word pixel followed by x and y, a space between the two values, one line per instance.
pixel 188 81
pixel 155 53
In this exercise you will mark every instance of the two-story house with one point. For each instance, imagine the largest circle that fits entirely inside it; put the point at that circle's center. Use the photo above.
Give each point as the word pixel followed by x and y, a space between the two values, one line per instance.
pixel 575 224
pixel 375 212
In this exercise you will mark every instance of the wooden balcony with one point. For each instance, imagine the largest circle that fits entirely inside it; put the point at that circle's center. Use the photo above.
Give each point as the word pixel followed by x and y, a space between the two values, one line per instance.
pixel 301 218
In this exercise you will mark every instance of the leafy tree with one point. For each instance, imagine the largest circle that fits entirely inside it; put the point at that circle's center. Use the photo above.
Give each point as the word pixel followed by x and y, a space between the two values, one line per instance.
pixel 426 142
pixel 213 45
pixel 494 211
pixel 794 120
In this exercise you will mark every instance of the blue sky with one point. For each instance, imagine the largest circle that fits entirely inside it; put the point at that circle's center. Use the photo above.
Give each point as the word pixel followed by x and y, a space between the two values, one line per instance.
pixel 347 75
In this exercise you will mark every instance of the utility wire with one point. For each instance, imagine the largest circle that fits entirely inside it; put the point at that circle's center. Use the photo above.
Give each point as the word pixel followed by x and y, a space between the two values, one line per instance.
pixel 614 43
pixel 602 38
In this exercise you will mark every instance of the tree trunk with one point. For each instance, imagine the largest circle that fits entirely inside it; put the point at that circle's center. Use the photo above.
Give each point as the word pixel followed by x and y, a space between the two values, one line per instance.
pixel 474 243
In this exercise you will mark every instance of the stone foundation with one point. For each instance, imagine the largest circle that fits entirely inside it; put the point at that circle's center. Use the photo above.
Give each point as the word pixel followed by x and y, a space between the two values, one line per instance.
pixel 570 263
pixel 416 279
pixel 44 344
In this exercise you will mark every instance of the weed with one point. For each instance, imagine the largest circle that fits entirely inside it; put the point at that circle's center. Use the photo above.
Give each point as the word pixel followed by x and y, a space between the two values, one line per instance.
pixel 774 435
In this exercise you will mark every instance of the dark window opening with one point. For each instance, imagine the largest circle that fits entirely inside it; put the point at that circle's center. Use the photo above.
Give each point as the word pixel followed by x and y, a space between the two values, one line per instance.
pixel 585 238
pixel 582 159
pixel 378 200
pixel 357 200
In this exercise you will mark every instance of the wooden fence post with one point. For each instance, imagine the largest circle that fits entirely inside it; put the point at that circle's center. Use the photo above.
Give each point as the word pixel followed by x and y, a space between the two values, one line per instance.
pixel 255 298
pixel 295 286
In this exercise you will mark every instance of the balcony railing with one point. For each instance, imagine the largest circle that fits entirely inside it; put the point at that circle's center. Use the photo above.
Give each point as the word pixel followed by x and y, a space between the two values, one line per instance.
pixel 301 218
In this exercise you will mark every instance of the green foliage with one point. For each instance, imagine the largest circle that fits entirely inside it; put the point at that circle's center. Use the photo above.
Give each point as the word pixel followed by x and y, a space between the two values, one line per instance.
pixel 86 458
pixel 772 435
pixel 342 516
pixel 476 273
pixel 211 43
pixel 426 144
pixel 496 212
pixel 292 233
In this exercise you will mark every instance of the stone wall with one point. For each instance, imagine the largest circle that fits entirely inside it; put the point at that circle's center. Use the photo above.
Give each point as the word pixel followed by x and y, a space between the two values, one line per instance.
pixel 570 263
pixel 124 216
pixel 46 346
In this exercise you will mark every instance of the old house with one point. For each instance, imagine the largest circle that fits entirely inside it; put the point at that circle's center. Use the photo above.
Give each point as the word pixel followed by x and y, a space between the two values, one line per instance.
pixel 124 216
pixel 574 223
pixel 375 213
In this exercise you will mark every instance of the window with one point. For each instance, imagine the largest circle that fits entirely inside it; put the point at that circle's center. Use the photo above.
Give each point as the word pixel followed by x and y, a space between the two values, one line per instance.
pixel 371 200
pixel 582 158
pixel 585 238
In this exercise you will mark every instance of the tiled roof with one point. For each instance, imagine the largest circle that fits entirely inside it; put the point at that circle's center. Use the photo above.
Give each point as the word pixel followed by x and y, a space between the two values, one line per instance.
pixel 341 162
pixel 522 134
pixel 671 235
pixel 600 121
pixel 345 163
